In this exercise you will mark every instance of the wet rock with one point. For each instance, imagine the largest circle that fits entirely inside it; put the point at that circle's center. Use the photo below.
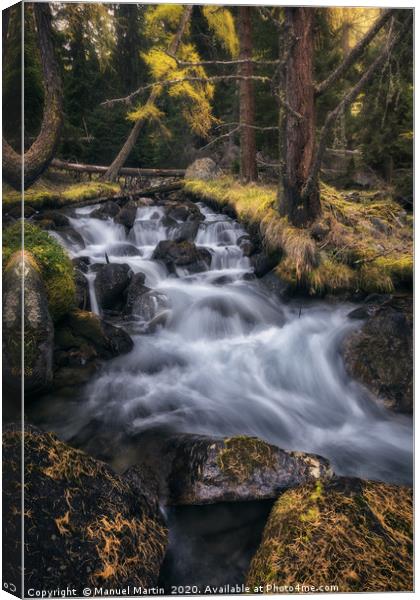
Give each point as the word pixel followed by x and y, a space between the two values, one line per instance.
pixel 183 211
pixel 380 354
pixel 127 215
pixel 149 304
pixel 16 211
pixel 245 245
pixel 110 283
pixel 82 290
pixel 84 524
pixel 263 263
pixel 160 320
pixel 106 211
pixel 82 263
pixel 276 285
pixel 371 553
pixel 123 249
pixel 186 232
pixel 182 254
pixel 38 326
pixel 57 218
pixel 203 168
pixel 135 289
pixel 207 470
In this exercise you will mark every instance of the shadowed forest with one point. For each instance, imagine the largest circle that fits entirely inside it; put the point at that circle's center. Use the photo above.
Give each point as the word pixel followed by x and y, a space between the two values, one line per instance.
pixel 217 235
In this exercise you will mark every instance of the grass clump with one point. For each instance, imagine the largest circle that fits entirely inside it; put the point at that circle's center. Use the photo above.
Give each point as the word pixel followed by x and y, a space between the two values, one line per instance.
pixel 242 455
pixel 353 534
pixel 354 246
pixel 53 263
pixel 44 194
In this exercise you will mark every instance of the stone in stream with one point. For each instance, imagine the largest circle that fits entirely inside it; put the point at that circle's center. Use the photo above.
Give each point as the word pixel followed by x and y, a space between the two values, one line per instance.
pixel 127 215
pixel 245 244
pixel 82 290
pixel 123 249
pixel 84 524
pixel 110 284
pixel 57 218
pixel 380 354
pixel 353 534
pixel 207 470
pixel 71 238
pixel 107 210
pixel 263 263
pixel 82 263
pixel 183 211
pixel 185 232
pixel 182 254
pixel 38 326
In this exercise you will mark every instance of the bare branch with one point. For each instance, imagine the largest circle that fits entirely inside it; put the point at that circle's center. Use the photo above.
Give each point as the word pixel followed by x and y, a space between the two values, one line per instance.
pixel 128 100
pixel 356 52
pixel 249 126
pixel 220 137
pixel 204 63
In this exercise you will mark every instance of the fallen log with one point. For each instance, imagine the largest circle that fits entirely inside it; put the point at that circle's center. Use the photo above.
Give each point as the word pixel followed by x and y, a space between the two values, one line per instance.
pixel 125 171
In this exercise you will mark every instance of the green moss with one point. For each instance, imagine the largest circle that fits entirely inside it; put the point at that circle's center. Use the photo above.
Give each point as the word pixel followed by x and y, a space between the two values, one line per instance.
pixel 366 246
pixel 55 266
pixel 43 196
pixel 242 455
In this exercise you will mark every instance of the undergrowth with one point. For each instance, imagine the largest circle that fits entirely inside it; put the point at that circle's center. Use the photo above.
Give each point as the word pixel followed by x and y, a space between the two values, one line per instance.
pixel 354 246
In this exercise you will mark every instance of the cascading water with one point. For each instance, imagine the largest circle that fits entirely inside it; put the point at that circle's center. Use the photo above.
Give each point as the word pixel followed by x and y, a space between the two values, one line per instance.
pixel 231 359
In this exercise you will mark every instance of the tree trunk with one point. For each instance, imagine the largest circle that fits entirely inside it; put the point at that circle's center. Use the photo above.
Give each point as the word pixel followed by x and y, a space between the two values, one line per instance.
pixel 301 209
pixel 120 159
pixel 248 169
pixel 40 154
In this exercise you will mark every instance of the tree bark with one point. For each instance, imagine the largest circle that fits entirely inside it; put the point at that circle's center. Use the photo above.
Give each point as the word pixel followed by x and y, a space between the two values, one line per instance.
pixel 127 171
pixel 41 152
pixel 299 131
pixel 248 167
pixel 120 159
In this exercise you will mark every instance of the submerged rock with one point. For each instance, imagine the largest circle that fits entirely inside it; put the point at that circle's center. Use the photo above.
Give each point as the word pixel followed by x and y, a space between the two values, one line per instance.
pixel 84 524
pixel 206 470
pixel 110 283
pixel 353 534
pixel 182 254
pixel 380 354
pixel 123 249
pixel 203 168
pixel 38 326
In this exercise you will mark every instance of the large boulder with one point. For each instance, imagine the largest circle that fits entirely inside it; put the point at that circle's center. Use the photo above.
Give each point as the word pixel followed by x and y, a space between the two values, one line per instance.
pixel 203 168
pixel 84 525
pixel 182 254
pixel 110 284
pixel 380 354
pixel 38 326
pixel 351 534
pixel 107 210
pixel 184 211
pixel 207 470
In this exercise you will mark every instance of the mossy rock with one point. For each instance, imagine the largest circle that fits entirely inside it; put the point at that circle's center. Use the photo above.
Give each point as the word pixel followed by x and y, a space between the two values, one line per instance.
pixel 84 525
pixel 38 326
pixel 207 470
pixel 352 534
pixel 54 265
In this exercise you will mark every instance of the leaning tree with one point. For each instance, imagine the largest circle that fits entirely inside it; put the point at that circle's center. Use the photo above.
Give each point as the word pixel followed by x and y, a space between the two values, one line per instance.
pixel 37 158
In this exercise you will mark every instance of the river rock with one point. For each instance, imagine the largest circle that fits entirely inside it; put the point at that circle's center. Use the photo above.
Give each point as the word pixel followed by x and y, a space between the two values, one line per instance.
pixel 107 210
pixel 183 211
pixel 127 215
pixel 182 254
pixel 82 263
pixel 71 238
pixel 84 524
pixel 349 533
pixel 110 283
pixel 135 289
pixel 38 326
pixel 203 168
pixel 380 354
pixel 207 470
pixel 57 218
pixel 186 232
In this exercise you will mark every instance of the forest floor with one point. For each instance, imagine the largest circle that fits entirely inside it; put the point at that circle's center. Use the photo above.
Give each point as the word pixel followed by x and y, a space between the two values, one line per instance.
pixel 363 241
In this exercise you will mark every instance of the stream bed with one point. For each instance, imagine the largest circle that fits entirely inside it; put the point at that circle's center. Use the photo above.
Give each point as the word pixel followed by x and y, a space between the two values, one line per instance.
pixel 231 358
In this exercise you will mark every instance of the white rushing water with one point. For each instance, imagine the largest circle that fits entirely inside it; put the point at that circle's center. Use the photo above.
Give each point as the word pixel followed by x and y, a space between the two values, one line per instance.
pixel 232 359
